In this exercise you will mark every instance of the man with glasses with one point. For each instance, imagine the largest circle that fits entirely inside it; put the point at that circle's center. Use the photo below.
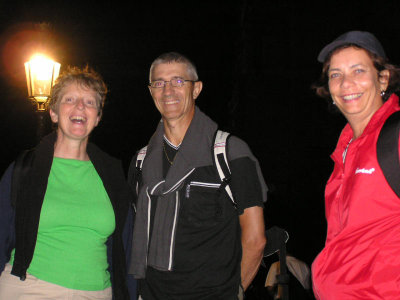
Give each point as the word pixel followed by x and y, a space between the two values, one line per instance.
pixel 190 242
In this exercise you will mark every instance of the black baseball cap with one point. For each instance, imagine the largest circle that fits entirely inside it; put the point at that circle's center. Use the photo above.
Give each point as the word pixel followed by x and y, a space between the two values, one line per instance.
pixel 362 39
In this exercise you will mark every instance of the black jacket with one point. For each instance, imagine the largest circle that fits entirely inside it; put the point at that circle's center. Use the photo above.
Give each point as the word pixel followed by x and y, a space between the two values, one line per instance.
pixel 30 199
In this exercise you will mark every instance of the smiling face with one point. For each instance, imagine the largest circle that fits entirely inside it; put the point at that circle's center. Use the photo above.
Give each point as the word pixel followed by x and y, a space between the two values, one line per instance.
pixel 175 103
pixel 355 85
pixel 78 113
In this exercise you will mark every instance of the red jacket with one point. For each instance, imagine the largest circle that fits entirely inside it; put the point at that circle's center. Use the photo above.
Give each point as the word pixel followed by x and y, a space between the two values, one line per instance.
pixel 361 258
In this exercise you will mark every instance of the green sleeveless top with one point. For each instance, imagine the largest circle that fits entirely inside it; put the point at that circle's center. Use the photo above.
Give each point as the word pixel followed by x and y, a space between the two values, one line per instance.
pixel 76 219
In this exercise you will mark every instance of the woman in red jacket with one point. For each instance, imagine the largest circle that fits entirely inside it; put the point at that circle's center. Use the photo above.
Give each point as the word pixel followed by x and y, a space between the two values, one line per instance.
pixel 361 258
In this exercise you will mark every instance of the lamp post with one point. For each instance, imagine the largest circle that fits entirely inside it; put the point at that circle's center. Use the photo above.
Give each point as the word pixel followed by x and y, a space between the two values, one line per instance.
pixel 41 74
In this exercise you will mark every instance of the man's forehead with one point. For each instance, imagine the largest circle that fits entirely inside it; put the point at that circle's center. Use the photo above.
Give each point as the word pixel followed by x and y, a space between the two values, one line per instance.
pixel 172 69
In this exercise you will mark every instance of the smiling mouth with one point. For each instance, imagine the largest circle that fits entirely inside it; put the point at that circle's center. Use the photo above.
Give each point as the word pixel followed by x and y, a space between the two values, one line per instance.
pixel 170 101
pixel 78 119
pixel 352 97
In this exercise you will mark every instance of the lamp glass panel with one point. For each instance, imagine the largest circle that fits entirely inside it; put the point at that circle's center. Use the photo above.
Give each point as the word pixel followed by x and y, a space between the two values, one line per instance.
pixel 28 79
pixel 42 75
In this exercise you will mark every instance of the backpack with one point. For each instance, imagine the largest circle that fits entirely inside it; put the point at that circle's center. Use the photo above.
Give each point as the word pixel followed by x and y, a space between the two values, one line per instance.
pixel 219 159
pixel 387 150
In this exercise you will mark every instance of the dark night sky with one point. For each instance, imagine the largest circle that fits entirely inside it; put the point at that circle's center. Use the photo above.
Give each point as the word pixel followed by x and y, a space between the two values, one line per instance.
pixel 257 60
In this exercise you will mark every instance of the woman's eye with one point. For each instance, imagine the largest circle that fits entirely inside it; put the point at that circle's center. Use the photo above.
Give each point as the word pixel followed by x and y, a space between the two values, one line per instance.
pixel 358 71
pixel 92 103
pixel 68 100
pixel 334 75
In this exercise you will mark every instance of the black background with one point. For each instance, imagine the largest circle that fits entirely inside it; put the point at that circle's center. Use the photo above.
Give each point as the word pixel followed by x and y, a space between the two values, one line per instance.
pixel 257 61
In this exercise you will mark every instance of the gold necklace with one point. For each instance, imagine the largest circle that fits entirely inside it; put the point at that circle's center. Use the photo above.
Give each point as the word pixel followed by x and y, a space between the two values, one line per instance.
pixel 166 155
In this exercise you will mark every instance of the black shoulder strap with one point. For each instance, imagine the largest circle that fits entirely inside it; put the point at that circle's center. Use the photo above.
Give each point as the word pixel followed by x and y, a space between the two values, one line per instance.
pixel 21 168
pixel 387 150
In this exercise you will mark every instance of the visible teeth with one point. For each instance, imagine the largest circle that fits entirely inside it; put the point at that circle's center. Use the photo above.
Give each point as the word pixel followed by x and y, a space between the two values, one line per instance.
pixel 351 97
pixel 78 118
pixel 171 102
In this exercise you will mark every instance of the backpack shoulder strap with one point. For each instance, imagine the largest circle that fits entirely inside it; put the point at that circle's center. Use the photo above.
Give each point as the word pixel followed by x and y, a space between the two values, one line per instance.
pixel 387 150
pixel 140 157
pixel 138 168
pixel 221 162
pixel 135 172
pixel 21 167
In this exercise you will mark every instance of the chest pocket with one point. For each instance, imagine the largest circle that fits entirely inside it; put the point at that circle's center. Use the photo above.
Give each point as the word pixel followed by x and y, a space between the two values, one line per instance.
pixel 202 204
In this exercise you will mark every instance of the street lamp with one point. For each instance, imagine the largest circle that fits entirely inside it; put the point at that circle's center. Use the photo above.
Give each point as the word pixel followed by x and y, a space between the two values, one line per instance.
pixel 41 73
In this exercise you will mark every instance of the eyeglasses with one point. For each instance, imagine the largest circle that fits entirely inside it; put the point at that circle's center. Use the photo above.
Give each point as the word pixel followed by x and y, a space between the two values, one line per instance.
pixel 88 102
pixel 175 82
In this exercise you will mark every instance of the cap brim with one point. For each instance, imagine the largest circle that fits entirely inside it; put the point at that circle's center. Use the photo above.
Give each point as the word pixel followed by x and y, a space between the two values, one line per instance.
pixel 328 49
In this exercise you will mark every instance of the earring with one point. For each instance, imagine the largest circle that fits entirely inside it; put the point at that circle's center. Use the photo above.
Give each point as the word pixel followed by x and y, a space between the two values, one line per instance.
pixel 333 102
pixel 383 93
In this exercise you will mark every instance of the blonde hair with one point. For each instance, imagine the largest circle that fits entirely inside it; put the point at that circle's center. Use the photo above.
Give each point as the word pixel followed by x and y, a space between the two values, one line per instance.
pixel 85 77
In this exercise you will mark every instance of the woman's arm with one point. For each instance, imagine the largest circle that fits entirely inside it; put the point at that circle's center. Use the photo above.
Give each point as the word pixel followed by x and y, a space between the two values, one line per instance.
pixel 7 215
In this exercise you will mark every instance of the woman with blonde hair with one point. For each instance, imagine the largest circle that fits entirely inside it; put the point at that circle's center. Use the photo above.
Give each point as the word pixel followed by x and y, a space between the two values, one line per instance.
pixel 62 239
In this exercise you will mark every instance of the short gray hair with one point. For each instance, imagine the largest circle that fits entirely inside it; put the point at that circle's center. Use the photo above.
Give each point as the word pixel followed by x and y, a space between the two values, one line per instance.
pixel 175 57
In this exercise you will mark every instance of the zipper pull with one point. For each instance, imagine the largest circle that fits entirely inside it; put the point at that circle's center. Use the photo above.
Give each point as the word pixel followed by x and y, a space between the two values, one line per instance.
pixel 187 191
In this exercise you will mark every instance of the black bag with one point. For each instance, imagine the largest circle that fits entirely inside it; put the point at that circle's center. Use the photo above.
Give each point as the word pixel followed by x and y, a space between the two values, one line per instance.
pixel 387 150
